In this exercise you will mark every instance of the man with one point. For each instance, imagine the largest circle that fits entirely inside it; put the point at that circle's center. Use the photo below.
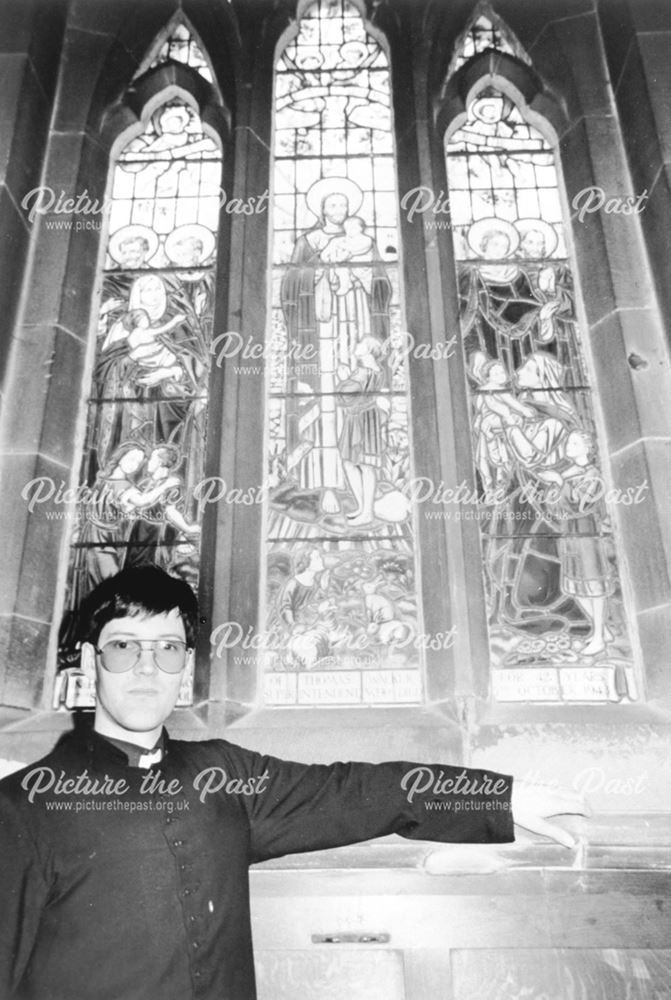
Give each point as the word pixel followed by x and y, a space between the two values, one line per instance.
pixel 124 854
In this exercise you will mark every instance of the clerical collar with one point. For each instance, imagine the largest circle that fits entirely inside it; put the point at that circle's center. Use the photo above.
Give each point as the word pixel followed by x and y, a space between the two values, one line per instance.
pixel 139 756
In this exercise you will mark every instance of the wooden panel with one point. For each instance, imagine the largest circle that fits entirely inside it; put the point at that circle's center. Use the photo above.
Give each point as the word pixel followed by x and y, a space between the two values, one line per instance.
pixel 330 974
pixel 568 909
pixel 428 974
pixel 559 974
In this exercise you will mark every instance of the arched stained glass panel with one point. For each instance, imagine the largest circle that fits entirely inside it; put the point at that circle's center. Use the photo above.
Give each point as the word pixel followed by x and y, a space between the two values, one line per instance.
pixel 485 30
pixel 341 609
pixel 181 46
pixel 557 624
pixel 147 410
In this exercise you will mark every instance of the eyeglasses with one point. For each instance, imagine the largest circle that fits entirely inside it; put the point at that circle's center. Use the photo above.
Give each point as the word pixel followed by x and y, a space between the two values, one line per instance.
pixel 119 655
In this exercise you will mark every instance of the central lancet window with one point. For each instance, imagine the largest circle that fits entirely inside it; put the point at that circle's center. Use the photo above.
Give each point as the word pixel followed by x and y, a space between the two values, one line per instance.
pixel 341 618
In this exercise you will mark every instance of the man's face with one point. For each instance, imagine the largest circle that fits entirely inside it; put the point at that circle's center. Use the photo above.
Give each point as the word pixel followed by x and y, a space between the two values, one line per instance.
pixel 533 244
pixel 188 252
pixel 140 699
pixel 133 252
pixel 495 246
pixel 527 376
pixel 335 208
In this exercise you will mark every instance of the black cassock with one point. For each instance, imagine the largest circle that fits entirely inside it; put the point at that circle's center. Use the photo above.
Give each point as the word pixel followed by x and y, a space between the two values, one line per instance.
pixel 143 894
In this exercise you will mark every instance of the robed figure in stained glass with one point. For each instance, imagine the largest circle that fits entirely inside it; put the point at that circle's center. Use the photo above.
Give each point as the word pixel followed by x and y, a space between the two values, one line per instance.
pixel 552 455
pixel 334 293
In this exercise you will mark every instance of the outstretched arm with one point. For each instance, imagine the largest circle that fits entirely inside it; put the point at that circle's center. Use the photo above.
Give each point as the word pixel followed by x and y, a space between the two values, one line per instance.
pixel 309 807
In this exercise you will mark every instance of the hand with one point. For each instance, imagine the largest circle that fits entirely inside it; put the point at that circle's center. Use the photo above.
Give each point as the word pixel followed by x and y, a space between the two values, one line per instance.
pixel 555 477
pixel 532 804
pixel 160 375
pixel 549 309
pixel 547 280
pixel 525 410
pixel 178 318
pixel 110 304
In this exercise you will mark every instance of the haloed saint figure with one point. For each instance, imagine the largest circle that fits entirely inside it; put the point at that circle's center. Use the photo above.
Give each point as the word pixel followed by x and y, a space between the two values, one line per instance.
pixel 335 294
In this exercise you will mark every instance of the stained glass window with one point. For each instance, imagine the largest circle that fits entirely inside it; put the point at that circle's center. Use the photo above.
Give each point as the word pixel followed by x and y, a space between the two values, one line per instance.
pixel 557 624
pixel 147 410
pixel 181 46
pixel 485 31
pixel 341 617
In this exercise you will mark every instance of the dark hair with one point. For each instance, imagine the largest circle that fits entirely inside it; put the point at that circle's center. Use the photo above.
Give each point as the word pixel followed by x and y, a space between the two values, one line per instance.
pixel 140 590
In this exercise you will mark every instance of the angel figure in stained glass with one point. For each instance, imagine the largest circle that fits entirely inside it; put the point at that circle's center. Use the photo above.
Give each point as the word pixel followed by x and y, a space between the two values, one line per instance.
pixel 106 524
pixel 157 510
pixel 156 154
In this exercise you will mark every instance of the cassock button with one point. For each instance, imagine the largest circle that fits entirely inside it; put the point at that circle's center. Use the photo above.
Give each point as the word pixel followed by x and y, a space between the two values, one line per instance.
pixel 177 843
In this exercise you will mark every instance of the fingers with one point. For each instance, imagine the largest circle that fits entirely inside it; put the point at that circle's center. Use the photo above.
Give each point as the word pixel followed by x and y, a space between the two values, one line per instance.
pixel 563 801
pixel 548 801
pixel 550 830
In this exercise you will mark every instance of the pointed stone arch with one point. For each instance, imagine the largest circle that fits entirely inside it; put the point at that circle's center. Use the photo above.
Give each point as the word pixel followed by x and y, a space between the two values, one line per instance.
pixel 485 30
pixel 178 43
